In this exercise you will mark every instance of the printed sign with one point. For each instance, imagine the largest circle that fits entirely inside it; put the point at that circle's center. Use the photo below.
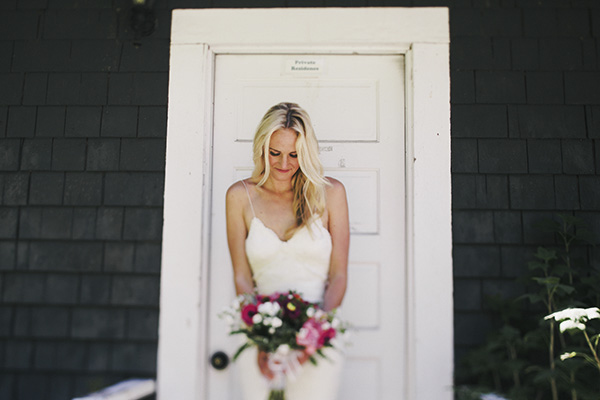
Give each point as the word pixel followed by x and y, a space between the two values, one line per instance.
pixel 304 66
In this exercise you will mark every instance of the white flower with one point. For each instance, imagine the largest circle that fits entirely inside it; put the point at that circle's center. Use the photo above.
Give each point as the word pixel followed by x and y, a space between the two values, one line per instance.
pixel 236 303
pixel 271 330
pixel 283 349
pixel 319 314
pixel 565 356
pixel 593 312
pixel 310 312
pixel 267 321
pixel 325 326
pixel 569 324
pixel 269 308
pixel 335 323
pixel 302 333
pixel 276 322
pixel 491 396
pixel 574 318
pixel 574 314
pixel 229 320
pixel 257 319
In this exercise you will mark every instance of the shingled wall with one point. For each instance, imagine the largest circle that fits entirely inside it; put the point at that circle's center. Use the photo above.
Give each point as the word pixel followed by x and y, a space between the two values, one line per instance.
pixel 82 143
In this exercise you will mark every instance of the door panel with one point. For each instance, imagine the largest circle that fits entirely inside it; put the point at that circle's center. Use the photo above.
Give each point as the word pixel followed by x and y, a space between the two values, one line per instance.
pixel 256 96
pixel 356 104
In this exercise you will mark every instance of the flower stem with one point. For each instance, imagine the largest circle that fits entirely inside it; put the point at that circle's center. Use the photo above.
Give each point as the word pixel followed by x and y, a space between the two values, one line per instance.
pixel 594 353
pixel 573 390
pixel 277 394
pixel 551 352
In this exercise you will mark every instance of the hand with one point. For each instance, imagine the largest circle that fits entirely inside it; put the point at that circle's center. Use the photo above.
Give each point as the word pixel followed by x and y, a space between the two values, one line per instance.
pixel 303 357
pixel 263 365
pixel 263 362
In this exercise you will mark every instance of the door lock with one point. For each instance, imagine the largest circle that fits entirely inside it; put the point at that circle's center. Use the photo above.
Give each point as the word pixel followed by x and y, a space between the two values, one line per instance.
pixel 219 360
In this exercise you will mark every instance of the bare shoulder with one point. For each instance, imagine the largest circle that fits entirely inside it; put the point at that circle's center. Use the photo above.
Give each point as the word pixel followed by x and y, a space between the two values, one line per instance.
pixel 335 186
pixel 237 192
pixel 335 191
pixel 235 187
pixel 337 208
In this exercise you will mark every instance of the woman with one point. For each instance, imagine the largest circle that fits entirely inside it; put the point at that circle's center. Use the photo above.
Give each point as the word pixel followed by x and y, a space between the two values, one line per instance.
pixel 287 229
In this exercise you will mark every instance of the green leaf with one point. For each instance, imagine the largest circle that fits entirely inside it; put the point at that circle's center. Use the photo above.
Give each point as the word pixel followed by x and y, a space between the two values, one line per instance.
pixel 545 254
pixel 533 265
pixel 533 298
pixel 566 288
pixel 548 281
pixel 544 375
pixel 569 219
pixel 239 351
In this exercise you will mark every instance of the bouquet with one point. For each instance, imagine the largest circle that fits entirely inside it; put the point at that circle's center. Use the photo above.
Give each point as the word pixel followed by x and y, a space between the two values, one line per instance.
pixel 283 325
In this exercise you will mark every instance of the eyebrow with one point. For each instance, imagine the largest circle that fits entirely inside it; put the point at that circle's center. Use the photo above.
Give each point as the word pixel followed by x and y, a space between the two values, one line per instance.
pixel 279 151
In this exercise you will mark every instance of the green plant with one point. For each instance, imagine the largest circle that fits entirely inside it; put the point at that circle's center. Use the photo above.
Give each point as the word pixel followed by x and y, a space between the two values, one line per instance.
pixel 521 358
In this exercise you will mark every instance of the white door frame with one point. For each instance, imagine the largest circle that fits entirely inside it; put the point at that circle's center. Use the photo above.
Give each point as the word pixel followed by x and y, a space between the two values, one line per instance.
pixel 422 35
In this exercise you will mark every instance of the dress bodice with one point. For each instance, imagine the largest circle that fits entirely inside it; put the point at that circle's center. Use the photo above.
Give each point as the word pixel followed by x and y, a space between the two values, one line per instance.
pixel 300 263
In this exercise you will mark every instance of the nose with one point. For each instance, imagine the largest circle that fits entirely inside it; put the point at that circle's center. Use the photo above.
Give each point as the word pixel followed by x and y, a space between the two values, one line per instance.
pixel 284 162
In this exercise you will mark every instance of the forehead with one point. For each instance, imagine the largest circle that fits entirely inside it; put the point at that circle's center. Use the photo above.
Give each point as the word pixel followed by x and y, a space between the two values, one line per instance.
pixel 283 139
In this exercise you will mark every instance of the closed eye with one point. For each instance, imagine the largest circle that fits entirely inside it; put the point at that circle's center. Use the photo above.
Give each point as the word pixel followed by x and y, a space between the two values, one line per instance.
pixel 275 153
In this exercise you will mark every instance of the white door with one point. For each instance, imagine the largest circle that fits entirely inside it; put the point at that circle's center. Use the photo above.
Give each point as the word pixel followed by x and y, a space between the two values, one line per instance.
pixel 357 107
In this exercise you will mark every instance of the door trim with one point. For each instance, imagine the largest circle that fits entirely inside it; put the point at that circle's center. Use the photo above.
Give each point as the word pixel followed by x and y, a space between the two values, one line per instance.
pixel 422 36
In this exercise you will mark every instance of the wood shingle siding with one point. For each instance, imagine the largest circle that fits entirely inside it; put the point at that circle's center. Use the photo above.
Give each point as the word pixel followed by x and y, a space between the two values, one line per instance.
pixel 82 153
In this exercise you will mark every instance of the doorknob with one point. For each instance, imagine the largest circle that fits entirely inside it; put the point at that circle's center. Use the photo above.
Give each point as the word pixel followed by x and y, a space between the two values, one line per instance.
pixel 219 360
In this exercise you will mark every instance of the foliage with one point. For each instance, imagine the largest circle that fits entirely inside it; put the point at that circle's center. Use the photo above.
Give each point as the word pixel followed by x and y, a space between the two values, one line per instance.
pixel 521 359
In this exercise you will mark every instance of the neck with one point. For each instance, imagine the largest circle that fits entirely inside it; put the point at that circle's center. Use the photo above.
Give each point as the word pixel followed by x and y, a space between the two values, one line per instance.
pixel 278 187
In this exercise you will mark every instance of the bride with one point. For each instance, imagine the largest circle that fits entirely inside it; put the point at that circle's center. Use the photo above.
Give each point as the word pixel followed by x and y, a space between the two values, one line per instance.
pixel 287 229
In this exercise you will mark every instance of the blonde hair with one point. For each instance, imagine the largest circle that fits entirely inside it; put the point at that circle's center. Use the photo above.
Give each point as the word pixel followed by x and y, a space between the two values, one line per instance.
pixel 308 183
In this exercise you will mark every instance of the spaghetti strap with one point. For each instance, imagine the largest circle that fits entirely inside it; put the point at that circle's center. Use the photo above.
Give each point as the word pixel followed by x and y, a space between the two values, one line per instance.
pixel 249 199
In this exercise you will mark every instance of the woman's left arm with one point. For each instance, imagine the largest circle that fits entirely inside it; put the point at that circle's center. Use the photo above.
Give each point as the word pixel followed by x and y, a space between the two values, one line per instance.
pixel 339 228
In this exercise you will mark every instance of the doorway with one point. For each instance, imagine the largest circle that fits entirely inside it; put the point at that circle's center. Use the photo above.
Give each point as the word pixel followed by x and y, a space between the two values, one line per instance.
pixel 409 217
pixel 356 103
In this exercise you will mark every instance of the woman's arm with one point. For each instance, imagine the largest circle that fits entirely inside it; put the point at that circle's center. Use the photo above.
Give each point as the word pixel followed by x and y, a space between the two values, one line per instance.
pixel 235 203
pixel 339 228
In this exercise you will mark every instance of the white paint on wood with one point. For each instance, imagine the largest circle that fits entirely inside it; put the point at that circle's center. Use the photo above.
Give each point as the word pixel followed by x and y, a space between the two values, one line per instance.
pixel 329 28
pixel 180 325
pixel 429 222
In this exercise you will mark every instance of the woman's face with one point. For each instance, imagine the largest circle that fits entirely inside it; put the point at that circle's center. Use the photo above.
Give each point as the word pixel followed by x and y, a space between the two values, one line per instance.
pixel 283 158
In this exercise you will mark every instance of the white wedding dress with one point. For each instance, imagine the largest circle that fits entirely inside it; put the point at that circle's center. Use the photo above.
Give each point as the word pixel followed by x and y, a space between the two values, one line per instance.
pixel 300 264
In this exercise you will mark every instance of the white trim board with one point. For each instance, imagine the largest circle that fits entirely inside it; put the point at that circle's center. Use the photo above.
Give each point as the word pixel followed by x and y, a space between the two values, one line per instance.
pixel 422 35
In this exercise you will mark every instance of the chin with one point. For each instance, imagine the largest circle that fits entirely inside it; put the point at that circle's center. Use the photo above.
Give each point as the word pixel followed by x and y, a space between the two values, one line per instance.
pixel 282 175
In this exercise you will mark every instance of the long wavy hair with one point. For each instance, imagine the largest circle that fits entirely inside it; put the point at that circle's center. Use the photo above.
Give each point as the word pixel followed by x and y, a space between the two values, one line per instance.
pixel 308 183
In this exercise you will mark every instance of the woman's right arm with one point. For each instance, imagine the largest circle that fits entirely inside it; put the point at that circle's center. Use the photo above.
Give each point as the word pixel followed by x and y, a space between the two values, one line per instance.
pixel 235 203
pixel 236 239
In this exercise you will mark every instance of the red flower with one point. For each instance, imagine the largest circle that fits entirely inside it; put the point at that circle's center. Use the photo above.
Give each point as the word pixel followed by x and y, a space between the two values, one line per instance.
pixel 326 336
pixel 248 312
pixel 263 299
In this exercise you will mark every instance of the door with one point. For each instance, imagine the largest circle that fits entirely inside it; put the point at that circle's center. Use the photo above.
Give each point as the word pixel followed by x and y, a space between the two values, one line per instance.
pixel 356 103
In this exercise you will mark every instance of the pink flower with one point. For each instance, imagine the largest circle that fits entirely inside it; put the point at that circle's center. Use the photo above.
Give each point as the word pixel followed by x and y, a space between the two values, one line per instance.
pixel 248 312
pixel 309 336
pixel 326 336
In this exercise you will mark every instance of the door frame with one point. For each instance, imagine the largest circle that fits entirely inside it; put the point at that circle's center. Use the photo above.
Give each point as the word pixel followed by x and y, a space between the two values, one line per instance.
pixel 197 36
